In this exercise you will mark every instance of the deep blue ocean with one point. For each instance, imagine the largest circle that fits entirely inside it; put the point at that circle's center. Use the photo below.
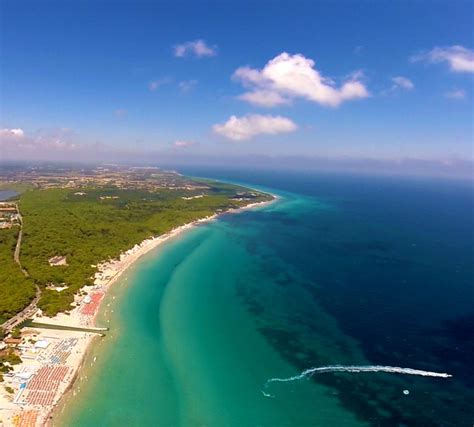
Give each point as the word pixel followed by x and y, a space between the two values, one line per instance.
pixel 342 270
pixel 391 260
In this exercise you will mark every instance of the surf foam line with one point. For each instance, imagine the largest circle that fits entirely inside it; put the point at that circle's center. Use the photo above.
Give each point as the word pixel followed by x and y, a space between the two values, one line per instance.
pixel 308 373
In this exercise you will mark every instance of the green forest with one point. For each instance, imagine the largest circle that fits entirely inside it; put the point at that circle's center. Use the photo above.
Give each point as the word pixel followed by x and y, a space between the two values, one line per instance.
pixel 90 228
pixel 16 291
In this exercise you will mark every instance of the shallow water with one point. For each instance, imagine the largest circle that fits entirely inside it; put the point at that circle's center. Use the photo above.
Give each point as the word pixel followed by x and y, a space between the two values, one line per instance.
pixel 341 271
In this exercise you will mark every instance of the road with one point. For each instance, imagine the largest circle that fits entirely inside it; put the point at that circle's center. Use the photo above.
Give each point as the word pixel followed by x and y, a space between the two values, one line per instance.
pixel 32 308
pixel 23 315
pixel 16 255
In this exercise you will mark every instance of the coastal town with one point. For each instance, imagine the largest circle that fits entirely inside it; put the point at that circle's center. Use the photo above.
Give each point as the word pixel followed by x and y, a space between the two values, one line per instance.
pixel 40 353
pixel 110 176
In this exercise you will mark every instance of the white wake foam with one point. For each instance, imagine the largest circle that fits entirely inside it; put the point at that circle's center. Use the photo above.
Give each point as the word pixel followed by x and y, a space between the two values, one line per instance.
pixel 308 373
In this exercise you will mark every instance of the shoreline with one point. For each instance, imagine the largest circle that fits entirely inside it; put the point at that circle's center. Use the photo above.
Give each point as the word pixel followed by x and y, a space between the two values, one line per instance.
pixel 49 415
pixel 88 303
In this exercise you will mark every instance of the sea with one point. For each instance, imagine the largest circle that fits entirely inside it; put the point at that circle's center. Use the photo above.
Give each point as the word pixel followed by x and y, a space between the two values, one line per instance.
pixel 229 323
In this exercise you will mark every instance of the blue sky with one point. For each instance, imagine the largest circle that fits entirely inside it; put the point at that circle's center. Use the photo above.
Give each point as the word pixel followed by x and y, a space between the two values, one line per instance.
pixel 350 79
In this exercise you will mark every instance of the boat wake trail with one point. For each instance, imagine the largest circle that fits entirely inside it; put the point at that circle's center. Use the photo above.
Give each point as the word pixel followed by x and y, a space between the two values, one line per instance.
pixel 308 373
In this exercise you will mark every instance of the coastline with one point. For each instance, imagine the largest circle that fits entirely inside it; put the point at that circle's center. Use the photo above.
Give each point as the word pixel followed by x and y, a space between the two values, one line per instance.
pixel 87 305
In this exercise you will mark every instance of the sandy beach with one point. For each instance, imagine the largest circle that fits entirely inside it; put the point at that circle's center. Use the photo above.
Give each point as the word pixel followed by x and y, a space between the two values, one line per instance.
pixel 51 358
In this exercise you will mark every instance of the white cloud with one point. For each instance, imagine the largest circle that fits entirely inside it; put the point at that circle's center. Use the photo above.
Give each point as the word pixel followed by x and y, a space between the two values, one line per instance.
pixel 12 133
pixel 187 85
pixel 264 98
pixel 455 94
pixel 197 48
pixel 246 127
pixel 459 58
pixel 16 140
pixel 180 143
pixel 286 77
pixel 402 82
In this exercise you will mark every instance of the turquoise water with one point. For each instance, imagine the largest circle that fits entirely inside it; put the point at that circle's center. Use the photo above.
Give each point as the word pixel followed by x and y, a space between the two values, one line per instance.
pixel 187 351
pixel 337 272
